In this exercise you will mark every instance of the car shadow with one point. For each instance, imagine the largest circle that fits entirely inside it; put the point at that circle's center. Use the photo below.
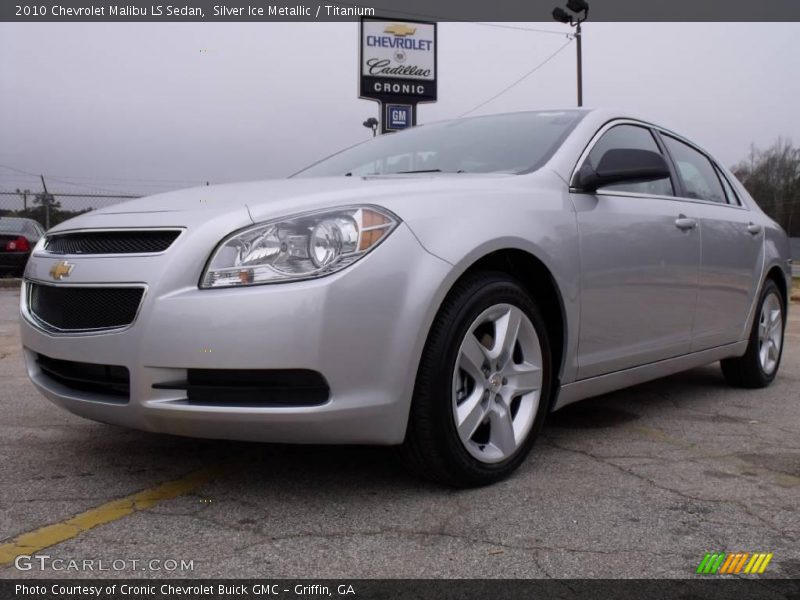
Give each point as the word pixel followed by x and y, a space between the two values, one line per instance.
pixel 350 468
pixel 624 406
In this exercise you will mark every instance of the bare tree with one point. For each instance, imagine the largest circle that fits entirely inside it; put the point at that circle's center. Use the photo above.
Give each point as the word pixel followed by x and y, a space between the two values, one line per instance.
pixel 772 177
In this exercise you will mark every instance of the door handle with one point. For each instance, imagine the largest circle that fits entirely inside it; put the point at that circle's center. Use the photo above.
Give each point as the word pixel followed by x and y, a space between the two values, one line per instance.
pixel 685 223
pixel 753 228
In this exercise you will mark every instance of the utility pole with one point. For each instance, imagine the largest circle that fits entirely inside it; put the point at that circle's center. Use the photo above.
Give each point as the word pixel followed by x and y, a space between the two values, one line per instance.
pixel 578 38
pixel 562 16
pixel 46 200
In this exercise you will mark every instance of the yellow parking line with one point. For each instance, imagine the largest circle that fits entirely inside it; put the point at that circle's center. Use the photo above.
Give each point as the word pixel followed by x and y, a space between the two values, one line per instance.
pixel 49 535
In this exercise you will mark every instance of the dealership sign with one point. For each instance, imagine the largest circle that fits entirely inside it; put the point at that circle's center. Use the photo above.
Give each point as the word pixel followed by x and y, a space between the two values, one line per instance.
pixel 397 65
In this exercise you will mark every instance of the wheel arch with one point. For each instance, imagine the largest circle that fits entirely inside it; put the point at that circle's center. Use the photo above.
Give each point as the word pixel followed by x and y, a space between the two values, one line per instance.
pixel 539 282
pixel 776 274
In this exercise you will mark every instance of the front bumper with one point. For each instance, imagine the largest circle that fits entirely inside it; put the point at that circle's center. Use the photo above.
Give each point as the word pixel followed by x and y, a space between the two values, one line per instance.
pixel 362 328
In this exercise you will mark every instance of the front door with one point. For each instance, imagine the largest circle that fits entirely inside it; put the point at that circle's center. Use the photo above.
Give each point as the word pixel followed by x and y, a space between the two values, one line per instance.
pixel 640 258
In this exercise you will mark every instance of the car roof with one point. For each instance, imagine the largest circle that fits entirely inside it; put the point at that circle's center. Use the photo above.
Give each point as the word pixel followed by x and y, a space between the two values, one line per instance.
pixel 18 219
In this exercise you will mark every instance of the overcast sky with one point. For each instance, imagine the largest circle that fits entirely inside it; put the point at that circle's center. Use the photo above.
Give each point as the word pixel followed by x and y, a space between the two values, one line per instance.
pixel 140 107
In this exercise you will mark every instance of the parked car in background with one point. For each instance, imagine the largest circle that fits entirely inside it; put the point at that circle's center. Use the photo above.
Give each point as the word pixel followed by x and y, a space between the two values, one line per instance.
pixel 17 239
pixel 443 289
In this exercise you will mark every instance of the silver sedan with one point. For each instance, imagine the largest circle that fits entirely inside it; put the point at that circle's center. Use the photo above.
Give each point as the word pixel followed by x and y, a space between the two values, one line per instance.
pixel 441 289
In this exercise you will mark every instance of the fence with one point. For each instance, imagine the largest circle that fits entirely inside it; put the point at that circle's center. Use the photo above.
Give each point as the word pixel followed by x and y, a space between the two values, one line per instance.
pixel 51 208
pixel 51 199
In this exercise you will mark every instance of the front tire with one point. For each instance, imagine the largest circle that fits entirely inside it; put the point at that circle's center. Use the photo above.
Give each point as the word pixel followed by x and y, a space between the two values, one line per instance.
pixel 483 385
pixel 759 364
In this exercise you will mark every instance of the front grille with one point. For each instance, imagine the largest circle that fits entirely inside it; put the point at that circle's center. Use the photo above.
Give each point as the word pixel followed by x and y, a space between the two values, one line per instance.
pixel 110 380
pixel 111 242
pixel 83 308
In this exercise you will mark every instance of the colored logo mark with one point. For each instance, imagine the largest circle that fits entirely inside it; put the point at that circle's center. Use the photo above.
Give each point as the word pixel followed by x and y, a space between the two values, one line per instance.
pixel 61 270
pixel 398 116
pixel 400 29
pixel 734 563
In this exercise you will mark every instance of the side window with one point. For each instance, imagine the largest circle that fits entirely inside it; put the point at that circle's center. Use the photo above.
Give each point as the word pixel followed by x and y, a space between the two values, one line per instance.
pixel 729 193
pixel 630 137
pixel 698 174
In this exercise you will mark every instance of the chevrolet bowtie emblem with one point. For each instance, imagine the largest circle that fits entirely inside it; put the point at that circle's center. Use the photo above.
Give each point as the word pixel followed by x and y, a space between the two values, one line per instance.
pixel 400 29
pixel 61 270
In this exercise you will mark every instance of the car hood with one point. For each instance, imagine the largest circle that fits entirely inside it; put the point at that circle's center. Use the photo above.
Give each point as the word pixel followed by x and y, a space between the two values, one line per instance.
pixel 264 200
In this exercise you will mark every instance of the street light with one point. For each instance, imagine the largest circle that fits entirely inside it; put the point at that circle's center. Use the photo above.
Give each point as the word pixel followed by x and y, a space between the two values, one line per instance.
pixel 562 16
pixel 371 123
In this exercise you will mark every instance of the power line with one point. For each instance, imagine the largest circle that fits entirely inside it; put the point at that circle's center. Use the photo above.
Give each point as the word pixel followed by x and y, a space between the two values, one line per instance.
pixel 65 182
pixel 518 28
pixel 518 81
pixel 109 180
pixel 109 187
pixel 96 183
pixel 81 186
pixel 19 170
pixel 88 187
pixel 59 194
pixel 441 18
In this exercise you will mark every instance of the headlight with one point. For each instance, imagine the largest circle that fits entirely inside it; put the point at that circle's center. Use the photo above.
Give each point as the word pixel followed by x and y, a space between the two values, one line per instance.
pixel 302 247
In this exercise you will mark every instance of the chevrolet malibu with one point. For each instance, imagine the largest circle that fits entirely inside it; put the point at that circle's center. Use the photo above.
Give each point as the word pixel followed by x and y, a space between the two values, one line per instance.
pixel 441 289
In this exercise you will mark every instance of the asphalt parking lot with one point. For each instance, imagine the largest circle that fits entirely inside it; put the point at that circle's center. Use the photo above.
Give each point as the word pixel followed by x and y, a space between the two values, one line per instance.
pixel 638 483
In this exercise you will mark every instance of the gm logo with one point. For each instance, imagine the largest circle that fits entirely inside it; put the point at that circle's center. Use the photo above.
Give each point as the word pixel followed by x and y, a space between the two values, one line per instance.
pixel 398 116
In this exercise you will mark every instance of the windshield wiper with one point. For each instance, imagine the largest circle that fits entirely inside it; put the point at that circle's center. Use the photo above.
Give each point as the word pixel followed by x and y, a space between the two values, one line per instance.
pixel 349 174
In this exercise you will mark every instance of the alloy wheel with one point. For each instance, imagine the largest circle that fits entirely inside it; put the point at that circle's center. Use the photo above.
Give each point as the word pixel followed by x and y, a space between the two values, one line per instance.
pixel 497 383
pixel 770 333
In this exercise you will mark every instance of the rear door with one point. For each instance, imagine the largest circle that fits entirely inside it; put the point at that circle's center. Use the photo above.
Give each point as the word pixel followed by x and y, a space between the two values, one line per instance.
pixel 640 258
pixel 732 247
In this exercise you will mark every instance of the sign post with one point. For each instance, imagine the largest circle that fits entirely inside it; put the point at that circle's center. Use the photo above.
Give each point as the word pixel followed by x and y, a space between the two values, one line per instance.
pixel 397 68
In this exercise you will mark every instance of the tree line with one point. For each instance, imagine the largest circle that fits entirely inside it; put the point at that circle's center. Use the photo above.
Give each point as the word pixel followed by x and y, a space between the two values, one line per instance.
pixel 772 176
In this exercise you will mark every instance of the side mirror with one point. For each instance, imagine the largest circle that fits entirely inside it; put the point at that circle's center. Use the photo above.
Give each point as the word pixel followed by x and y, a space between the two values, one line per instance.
pixel 622 165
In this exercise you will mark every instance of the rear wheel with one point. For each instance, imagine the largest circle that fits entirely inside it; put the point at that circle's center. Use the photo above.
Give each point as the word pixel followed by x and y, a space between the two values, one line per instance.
pixel 483 384
pixel 759 364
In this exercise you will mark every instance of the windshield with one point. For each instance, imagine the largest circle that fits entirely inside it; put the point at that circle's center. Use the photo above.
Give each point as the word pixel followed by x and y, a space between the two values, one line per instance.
pixel 509 143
